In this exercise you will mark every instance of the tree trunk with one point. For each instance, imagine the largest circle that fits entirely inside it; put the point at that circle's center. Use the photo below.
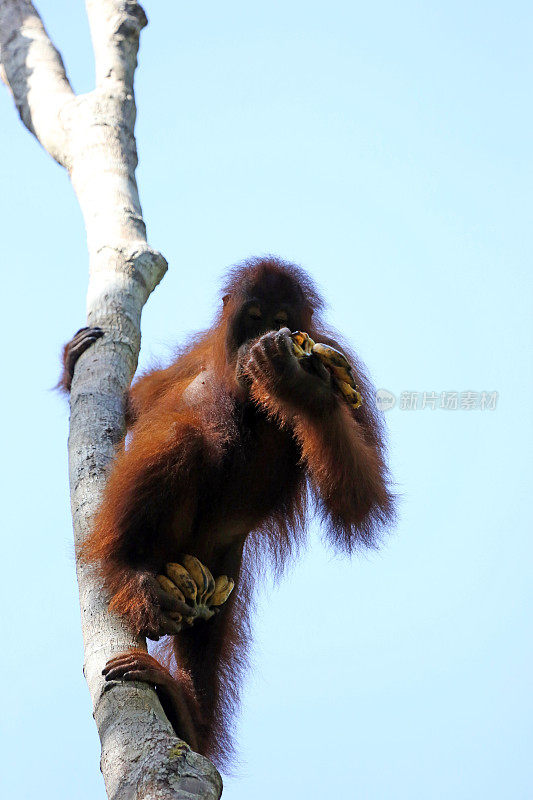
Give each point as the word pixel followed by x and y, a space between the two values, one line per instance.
pixel 92 136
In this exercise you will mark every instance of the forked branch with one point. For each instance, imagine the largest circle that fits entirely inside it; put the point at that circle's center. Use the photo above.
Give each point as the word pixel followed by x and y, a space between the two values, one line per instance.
pixel 92 136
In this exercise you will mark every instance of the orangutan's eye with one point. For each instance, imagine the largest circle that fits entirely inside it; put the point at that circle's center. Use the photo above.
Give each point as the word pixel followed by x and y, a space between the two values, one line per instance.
pixel 254 312
pixel 281 319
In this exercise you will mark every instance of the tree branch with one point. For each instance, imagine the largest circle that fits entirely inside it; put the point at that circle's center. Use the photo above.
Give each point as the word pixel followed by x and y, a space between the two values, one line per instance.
pixel 93 137
pixel 34 71
pixel 115 28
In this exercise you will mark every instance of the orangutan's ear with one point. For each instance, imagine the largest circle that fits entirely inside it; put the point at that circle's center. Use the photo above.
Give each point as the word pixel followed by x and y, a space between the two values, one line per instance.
pixel 225 299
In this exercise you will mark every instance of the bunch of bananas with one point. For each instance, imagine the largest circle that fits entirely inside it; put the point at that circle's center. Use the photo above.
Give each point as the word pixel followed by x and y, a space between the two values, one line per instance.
pixel 191 583
pixel 337 363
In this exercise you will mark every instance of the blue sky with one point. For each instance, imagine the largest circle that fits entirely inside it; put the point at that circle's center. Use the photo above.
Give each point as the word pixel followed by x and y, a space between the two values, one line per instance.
pixel 387 148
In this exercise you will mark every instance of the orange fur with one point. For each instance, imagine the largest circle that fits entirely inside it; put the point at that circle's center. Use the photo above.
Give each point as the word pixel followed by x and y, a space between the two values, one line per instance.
pixel 227 480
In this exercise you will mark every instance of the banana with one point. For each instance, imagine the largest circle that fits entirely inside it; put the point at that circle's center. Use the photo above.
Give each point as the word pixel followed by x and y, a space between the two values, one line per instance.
pixel 335 361
pixel 210 588
pixel 298 338
pixel 298 351
pixel 180 576
pixel 201 576
pixel 350 393
pixel 170 587
pixel 339 373
pixel 301 342
pixel 223 589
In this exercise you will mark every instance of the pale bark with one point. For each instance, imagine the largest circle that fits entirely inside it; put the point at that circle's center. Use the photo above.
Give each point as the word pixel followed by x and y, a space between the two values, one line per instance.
pixel 92 136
